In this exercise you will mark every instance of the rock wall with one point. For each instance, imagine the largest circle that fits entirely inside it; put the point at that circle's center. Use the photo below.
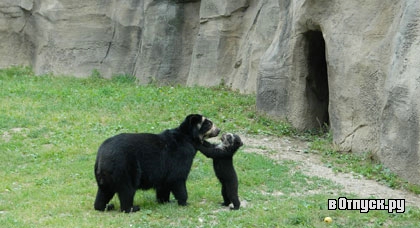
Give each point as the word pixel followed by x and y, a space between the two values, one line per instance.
pixel 351 65
pixel 189 42
pixel 369 66
pixel 16 46
pixel 399 124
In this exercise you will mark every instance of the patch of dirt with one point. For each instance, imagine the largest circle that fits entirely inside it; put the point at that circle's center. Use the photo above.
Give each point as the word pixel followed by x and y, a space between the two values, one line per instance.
pixel 7 136
pixel 286 148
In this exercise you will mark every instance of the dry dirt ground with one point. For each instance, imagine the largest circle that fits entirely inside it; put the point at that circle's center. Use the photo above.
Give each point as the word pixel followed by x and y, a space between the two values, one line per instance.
pixel 286 148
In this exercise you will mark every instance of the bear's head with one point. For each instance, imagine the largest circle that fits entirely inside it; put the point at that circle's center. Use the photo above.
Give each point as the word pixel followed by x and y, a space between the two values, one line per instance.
pixel 199 127
pixel 231 140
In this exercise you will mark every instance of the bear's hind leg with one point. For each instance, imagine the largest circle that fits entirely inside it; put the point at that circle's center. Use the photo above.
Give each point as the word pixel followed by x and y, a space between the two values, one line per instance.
pixel 232 194
pixel 226 200
pixel 236 202
pixel 102 199
pixel 126 196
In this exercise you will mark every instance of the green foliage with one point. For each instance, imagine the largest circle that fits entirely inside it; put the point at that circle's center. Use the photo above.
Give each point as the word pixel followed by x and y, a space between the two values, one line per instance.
pixel 51 127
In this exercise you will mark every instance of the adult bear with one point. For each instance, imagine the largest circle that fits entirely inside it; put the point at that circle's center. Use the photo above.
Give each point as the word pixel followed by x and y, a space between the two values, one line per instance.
pixel 222 155
pixel 127 162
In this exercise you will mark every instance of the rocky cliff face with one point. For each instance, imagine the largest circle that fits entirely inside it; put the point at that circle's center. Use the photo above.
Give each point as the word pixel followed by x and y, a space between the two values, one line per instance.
pixel 354 68
pixel 311 62
pixel 167 41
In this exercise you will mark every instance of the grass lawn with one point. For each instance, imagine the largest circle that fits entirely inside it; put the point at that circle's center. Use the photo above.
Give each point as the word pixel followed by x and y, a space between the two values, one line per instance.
pixel 51 128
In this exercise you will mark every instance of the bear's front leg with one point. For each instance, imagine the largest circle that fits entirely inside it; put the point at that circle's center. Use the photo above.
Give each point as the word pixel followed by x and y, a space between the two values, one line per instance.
pixel 162 194
pixel 214 150
pixel 179 189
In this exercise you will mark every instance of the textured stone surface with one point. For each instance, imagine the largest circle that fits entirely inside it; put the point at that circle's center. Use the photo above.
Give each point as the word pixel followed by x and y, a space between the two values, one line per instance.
pixel 189 42
pixel 15 45
pixel 353 65
pixel 169 31
pixel 76 37
pixel 400 111
pixel 372 59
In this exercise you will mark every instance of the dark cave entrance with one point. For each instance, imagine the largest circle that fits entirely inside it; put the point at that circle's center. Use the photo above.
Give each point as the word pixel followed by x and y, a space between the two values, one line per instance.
pixel 317 91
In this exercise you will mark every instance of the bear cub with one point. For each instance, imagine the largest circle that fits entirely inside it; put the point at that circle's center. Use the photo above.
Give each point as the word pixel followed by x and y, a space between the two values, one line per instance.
pixel 222 155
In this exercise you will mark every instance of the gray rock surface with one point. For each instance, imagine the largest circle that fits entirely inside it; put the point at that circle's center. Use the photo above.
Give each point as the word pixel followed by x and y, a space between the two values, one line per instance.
pixel 169 32
pixel 372 59
pixel 353 65
pixel 189 42
pixel 400 111
pixel 16 47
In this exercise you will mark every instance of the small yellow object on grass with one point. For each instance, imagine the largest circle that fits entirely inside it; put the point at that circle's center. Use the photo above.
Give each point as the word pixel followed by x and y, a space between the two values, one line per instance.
pixel 328 219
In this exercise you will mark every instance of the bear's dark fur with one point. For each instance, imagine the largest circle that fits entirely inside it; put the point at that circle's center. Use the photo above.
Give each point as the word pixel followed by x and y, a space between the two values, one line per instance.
pixel 127 162
pixel 222 155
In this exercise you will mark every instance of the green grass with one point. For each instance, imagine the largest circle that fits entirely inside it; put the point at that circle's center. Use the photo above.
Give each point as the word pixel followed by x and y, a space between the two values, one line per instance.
pixel 51 127
pixel 362 164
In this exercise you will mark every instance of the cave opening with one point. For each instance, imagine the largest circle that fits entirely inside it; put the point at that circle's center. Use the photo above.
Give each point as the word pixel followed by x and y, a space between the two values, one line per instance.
pixel 317 91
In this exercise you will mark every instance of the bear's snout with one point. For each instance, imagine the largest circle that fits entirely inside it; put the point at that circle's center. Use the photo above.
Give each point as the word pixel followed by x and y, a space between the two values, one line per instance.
pixel 213 132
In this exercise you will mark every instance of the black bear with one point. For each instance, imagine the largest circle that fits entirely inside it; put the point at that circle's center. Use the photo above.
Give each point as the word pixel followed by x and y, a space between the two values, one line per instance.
pixel 129 161
pixel 222 155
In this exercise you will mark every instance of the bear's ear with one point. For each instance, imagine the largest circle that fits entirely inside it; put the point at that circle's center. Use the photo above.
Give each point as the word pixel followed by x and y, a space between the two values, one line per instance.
pixel 238 140
pixel 193 122
pixel 194 119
